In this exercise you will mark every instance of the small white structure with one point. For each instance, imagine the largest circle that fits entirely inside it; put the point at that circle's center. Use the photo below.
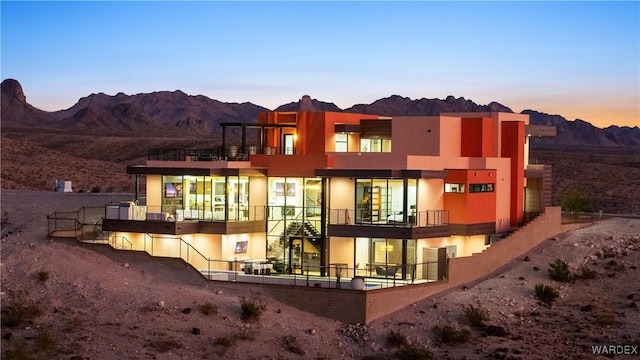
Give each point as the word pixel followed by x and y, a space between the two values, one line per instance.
pixel 63 186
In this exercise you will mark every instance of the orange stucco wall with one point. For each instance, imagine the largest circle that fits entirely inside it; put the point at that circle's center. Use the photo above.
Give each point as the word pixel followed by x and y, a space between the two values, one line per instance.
pixel 468 207
pixel 314 130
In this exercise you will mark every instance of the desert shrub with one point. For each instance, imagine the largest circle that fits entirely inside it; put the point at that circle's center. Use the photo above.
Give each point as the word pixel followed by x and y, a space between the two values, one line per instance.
pixel 290 343
pixel 559 271
pixel 396 339
pixel 450 335
pixel 43 276
pixel 224 342
pixel 576 201
pixel 414 352
pixel 46 343
pixel 251 308
pixel 374 357
pixel 96 189
pixel 4 221
pixel 19 309
pixel 73 323
pixel 475 315
pixel 209 309
pixel 17 351
pixel 605 320
pixel 166 345
pixel 586 273
pixel 546 293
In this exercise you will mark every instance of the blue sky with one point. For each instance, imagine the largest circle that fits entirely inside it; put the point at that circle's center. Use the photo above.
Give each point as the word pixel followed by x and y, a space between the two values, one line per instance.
pixel 576 59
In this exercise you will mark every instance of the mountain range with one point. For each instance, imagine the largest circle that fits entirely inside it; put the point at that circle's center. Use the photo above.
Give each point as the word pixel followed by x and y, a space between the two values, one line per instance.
pixel 174 112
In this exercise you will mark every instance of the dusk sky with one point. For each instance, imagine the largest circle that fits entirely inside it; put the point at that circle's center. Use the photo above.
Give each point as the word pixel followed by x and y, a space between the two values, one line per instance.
pixel 576 59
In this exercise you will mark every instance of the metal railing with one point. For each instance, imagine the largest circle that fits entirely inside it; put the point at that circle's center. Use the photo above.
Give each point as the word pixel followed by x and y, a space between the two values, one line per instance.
pixel 424 218
pixel 81 223
pixel 177 213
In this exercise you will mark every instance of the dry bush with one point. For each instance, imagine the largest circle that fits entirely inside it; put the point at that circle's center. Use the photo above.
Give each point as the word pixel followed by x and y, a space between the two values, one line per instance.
pixel 475 315
pixel 414 352
pixel 290 343
pixel 18 350
pixel 166 345
pixel 43 276
pixel 209 309
pixel 451 335
pixel 19 309
pixel 559 271
pixel 586 273
pixel 252 308
pixel 396 339
pixel 546 293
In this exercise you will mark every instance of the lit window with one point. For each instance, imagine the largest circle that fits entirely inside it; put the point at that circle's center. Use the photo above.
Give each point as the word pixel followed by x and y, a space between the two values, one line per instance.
pixel 454 188
pixel 342 143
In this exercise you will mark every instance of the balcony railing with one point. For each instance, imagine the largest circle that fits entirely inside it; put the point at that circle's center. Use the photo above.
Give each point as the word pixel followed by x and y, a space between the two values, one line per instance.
pixel 131 211
pixel 230 153
pixel 425 218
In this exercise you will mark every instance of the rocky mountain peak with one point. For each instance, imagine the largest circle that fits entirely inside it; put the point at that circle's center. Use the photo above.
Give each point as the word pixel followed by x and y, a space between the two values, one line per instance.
pixel 306 104
pixel 13 90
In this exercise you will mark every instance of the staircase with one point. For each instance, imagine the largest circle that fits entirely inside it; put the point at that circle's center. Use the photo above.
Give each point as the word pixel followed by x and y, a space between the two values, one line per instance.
pixel 301 229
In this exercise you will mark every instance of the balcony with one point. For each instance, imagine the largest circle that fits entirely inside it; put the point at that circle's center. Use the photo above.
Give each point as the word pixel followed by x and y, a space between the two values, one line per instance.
pixel 419 225
pixel 129 217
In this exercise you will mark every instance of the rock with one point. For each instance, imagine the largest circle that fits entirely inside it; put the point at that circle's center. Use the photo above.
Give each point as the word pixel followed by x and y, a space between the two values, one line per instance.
pixel 633 305
pixel 126 265
pixel 161 304
pixel 311 331
pixel 195 331
pixel 8 336
pixel 219 292
pixel 631 296
pixel 527 258
pixel 535 268
pixel 495 330
pixel 521 278
pixel 186 311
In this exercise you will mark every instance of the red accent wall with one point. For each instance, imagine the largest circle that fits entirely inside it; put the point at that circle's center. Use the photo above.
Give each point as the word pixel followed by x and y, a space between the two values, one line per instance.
pixel 513 148
pixel 477 137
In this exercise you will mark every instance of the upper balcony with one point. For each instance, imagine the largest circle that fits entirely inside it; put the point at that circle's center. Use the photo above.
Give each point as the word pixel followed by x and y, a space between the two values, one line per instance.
pixel 417 225
pixel 129 217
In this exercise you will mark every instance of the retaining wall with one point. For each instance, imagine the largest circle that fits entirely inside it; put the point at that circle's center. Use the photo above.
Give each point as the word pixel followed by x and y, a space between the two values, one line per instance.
pixel 351 306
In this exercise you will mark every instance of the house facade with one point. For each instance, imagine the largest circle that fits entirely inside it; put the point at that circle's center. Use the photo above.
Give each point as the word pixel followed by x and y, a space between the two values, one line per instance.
pixel 316 192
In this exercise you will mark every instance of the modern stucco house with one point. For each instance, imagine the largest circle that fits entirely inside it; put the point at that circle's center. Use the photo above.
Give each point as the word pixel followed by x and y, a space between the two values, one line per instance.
pixel 309 192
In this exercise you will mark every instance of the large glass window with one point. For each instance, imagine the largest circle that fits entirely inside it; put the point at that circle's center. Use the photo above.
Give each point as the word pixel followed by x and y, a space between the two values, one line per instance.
pixel 206 197
pixel 294 243
pixel 379 257
pixel 375 145
pixel 238 197
pixel 385 200
pixel 172 194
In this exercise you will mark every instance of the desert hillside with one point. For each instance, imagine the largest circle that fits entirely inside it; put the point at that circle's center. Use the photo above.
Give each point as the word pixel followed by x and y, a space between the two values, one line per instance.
pixel 63 300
